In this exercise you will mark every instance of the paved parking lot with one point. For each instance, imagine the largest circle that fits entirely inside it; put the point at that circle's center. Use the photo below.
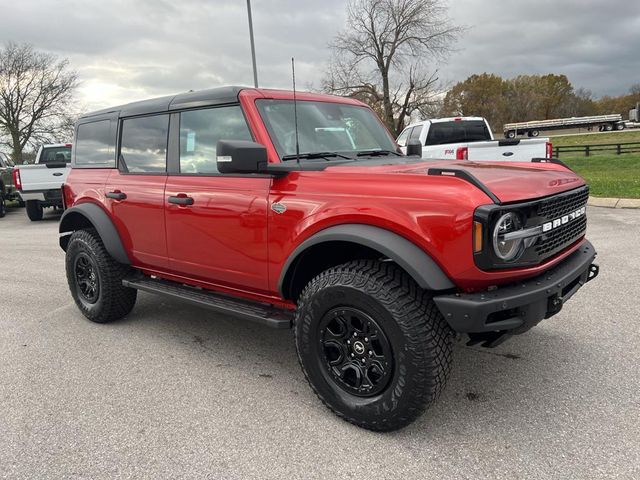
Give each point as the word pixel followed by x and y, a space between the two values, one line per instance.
pixel 178 392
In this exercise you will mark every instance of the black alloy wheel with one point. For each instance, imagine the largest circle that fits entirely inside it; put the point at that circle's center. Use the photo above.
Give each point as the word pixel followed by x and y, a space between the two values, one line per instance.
pixel 87 278
pixel 356 352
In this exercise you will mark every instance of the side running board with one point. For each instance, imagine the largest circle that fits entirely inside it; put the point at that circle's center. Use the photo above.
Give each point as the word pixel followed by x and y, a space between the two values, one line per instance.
pixel 257 312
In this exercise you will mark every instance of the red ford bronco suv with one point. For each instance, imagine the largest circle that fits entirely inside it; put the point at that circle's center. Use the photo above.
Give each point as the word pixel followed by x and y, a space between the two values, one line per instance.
pixel 304 214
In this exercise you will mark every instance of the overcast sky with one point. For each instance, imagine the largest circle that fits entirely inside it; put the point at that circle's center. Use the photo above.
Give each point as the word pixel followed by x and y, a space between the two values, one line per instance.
pixel 126 50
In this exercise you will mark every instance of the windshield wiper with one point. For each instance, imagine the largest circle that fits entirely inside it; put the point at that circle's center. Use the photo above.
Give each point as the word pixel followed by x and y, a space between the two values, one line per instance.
pixel 312 155
pixel 378 153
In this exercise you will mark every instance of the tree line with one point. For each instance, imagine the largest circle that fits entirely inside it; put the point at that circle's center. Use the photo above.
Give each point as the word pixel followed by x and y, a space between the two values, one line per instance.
pixel 529 97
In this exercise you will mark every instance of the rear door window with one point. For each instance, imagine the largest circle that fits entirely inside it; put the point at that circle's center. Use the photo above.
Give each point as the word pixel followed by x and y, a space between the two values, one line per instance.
pixel 464 131
pixel 143 144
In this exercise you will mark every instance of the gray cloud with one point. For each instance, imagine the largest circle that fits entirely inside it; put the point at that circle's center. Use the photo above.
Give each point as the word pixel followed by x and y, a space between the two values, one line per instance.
pixel 126 50
pixel 594 42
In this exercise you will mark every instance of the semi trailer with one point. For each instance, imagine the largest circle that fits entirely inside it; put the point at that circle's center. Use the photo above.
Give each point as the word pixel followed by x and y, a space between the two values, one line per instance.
pixel 604 123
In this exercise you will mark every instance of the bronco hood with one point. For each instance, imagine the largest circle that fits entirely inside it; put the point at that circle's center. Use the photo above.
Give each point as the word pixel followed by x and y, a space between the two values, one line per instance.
pixel 508 182
pixel 517 182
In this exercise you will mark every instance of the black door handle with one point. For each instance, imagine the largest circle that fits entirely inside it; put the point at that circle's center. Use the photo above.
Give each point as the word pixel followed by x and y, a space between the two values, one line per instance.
pixel 117 195
pixel 181 199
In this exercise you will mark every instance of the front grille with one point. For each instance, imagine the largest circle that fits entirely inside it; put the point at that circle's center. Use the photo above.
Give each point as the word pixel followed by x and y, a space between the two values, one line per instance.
pixel 560 238
pixel 561 205
pixel 536 214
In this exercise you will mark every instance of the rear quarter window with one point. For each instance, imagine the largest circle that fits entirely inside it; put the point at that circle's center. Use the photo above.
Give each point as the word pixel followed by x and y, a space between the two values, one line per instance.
pixel 95 145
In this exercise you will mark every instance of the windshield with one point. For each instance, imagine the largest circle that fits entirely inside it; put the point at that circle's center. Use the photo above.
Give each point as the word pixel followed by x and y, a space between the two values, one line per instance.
pixel 55 155
pixel 323 127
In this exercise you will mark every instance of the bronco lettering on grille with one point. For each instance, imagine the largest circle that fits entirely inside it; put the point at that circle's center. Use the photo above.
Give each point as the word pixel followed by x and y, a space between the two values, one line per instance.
pixel 563 220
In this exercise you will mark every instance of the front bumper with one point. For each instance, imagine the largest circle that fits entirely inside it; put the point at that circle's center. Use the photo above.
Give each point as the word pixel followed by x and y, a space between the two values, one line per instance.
pixel 518 307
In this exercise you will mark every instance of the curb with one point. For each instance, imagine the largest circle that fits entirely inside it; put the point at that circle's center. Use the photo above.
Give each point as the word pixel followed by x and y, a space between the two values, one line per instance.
pixel 614 202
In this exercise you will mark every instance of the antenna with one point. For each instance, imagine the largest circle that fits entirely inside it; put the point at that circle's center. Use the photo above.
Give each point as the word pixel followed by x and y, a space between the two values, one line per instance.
pixel 295 108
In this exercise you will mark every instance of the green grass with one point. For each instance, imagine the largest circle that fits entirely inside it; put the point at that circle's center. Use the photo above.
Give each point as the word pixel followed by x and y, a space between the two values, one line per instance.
pixel 616 176
pixel 614 137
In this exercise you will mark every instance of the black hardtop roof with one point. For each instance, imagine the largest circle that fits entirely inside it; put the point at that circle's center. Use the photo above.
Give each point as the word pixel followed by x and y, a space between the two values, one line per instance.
pixel 201 98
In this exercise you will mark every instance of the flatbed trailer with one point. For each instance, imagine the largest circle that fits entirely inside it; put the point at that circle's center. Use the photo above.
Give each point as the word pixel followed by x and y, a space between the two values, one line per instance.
pixel 532 129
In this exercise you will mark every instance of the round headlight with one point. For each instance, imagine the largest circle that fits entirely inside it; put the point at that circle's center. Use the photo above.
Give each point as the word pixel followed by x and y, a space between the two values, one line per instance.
pixel 505 248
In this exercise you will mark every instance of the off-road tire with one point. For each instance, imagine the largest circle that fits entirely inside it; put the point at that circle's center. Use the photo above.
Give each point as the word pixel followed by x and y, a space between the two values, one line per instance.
pixel 419 337
pixel 114 301
pixel 3 205
pixel 34 210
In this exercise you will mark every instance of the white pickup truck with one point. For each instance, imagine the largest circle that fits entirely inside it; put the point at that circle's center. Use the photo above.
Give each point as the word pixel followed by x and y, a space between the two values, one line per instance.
pixel 470 138
pixel 39 185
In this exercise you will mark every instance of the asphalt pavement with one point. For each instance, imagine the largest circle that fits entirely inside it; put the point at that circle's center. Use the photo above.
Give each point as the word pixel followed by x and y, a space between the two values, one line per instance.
pixel 174 391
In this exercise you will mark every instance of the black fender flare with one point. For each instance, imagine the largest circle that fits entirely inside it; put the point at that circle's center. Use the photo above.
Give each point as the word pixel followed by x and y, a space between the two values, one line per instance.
pixel 415 261
pixel 79 215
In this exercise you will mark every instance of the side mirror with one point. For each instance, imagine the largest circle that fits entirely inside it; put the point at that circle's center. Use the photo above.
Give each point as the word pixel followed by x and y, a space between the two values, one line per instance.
pixel 414 148
pixel 241 156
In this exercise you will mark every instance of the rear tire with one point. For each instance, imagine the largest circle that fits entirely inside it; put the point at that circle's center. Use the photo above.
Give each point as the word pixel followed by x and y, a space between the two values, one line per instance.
pixel 372 344
pixel 95 279
pixel 608 127
pixel 34 210
pixel 535 133
pixel 3 205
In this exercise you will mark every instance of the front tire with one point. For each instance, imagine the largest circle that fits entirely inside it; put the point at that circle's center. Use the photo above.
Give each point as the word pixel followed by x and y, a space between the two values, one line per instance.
pixel 372 344
pixel 3 205
pixel 95 279
pixel 34 210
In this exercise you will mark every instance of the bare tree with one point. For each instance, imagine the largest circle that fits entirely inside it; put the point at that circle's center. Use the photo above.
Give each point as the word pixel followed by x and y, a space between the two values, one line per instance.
pixel 381 56
pixel 35 91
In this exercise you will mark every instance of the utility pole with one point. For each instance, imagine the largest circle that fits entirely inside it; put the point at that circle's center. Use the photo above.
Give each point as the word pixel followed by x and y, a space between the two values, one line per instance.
pixel 253 47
